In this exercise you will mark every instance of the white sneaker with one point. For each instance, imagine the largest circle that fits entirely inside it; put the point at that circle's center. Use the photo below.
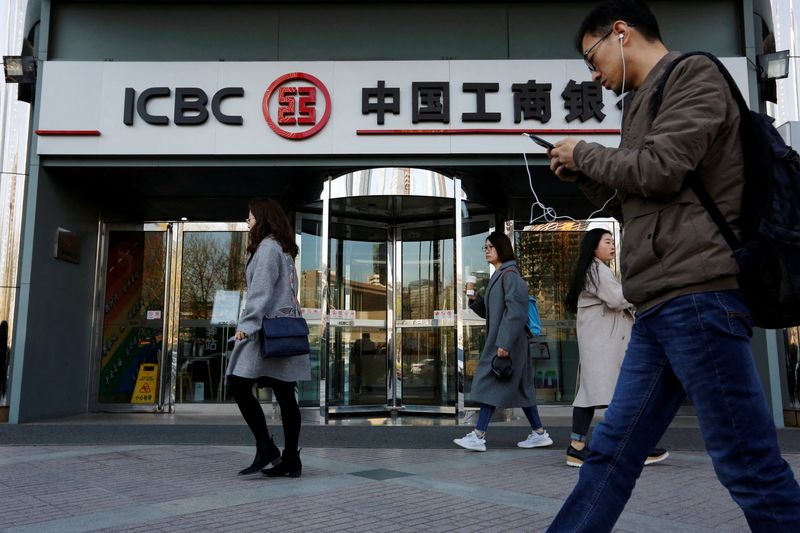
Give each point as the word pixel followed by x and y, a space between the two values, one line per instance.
pixel 472 442
pixel 536 440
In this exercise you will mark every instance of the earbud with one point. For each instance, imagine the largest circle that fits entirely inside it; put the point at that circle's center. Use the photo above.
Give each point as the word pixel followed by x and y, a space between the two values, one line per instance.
pixel 621 36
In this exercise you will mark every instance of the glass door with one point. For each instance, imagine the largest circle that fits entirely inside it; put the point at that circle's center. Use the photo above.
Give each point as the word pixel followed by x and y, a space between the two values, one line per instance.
pixel 131 313
pixel 359 338
pixel 212 290
pixel 426 317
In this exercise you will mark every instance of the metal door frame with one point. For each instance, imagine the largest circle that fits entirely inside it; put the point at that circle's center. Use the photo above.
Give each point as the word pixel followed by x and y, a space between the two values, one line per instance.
pixel 388 323
pixel 173 263
pixel 98 315
pixel 180 229
pixel 398 405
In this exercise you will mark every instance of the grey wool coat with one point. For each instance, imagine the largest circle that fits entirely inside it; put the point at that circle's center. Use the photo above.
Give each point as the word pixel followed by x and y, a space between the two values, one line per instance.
pixel 604 329
pixel 271 283
pixel 505 308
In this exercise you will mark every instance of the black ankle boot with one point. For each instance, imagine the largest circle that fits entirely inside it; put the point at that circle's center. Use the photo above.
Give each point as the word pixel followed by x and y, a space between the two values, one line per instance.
pixel 266 452
pixel 290 465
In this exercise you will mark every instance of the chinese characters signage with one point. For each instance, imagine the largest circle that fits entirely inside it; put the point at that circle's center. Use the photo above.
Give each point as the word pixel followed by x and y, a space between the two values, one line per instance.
pixel 323 108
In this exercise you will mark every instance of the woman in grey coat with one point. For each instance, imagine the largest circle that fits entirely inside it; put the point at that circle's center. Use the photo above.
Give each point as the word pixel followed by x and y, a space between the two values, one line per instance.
pixel 271 292
pixel 505 307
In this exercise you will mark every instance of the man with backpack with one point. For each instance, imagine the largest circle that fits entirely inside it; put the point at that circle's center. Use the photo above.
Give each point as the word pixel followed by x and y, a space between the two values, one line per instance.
pixel 692 331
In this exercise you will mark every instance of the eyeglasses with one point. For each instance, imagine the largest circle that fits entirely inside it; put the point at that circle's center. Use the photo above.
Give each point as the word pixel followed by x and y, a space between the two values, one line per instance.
pixel 487 247
pixel 586 59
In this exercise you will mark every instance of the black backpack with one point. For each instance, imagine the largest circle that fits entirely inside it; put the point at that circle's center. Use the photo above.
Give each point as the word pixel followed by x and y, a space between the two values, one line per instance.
pixel 768 254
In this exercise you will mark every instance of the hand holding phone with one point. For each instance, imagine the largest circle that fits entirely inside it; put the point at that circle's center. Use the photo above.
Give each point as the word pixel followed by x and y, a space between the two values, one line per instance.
pixel 541 142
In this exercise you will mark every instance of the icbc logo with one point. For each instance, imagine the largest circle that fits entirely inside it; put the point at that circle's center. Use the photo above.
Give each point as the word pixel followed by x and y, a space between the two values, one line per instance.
pixel 293 99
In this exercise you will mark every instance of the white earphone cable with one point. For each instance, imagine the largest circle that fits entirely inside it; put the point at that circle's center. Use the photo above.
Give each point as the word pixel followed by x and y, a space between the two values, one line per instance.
pixel 548 213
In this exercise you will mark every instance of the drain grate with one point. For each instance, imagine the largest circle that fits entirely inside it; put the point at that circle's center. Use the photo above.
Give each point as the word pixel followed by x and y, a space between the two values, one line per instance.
pixel 380 474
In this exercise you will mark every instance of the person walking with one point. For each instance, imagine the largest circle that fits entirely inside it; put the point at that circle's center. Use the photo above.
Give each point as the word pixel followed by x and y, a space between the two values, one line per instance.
pixel 505 308
pixel 604 322
pixel 271 292
pixel 691 336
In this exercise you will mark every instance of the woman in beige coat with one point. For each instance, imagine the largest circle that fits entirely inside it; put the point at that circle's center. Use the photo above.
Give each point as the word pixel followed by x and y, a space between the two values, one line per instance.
pixel 604 325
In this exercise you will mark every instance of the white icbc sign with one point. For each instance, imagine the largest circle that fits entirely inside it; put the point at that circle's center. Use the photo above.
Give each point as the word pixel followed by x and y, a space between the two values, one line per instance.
pixel 308 108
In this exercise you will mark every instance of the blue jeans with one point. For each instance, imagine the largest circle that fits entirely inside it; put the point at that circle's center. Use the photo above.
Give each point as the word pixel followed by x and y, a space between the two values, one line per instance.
pixel 699 343
pixel 486 412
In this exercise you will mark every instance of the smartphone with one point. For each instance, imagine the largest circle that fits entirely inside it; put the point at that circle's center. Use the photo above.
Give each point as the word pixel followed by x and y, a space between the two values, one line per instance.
pixel 541 142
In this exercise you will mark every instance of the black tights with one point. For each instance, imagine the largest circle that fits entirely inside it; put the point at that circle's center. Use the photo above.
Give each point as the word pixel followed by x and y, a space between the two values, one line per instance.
pixel 581 420
pixel 242 391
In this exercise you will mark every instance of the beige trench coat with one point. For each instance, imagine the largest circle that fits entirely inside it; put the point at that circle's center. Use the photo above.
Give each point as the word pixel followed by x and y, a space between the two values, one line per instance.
pixel 604 329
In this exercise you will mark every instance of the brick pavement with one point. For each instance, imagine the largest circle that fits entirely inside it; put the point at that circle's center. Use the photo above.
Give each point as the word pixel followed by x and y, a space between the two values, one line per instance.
pixel 138 488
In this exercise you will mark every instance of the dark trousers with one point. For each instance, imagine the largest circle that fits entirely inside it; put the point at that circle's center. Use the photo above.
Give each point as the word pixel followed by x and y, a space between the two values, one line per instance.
pixel 581 421
pixel 696 345
pixel 242 391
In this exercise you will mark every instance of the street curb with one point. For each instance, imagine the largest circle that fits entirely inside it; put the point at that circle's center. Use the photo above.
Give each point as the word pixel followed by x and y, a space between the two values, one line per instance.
pixel 316 436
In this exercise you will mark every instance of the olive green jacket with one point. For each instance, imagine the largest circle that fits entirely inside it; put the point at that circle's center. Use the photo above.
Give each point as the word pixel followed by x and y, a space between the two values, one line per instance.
pixel 670 245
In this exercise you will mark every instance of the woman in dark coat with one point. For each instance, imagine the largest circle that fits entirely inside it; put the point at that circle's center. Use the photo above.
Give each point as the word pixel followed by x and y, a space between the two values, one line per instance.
pixel 271 292
pixel 505 307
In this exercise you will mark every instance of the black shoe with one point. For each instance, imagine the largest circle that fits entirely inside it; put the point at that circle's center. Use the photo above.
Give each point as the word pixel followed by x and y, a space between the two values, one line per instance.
pixel 266 452
pixel 656 455
pixel 576 457
pixel 290 465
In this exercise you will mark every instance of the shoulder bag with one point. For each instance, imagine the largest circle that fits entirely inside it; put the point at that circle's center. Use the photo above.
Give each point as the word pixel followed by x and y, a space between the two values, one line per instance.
pixel 285 336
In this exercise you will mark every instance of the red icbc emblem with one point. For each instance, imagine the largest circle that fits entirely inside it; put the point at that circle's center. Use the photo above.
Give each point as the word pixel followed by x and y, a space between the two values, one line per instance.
pixel 296 105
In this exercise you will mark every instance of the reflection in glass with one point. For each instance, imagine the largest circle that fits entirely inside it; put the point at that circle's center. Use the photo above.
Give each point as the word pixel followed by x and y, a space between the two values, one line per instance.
pixel 134 286
pixel 357 356
pixel 358 366
pixel 428 365
pixel 311 299
pixel 213 267
pixel 427 279
pixel 546 256
pixel 473 238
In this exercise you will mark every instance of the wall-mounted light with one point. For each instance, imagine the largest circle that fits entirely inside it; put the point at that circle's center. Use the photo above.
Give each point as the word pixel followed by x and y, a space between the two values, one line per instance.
pixel 19 69
pixel 775 65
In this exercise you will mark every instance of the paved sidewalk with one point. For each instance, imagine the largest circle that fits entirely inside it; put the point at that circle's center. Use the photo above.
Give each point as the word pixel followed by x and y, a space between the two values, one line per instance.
pixel 195 488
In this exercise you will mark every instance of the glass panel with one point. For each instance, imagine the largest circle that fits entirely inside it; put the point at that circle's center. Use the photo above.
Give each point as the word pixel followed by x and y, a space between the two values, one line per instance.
pixel 357 371
pixel 546 255
pixel 792 366
pixel 311 302
pixel 473 239
pixel 7 297
pixel 358 354
pixel 427 272
pixel 474 233
pixel 212 285
pixel 474 339
pixel 133 312
pixel 428 370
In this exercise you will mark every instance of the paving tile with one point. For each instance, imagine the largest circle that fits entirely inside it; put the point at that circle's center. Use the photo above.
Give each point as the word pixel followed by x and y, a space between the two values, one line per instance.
pixel 195 488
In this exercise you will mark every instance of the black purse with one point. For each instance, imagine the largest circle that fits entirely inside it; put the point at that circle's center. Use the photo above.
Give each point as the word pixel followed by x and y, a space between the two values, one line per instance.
pixel 502 367
pixel 285 336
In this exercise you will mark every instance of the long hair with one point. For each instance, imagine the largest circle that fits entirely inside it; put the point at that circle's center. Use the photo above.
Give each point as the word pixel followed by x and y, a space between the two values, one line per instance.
pixel 501 243
pixel 270 220
pixel 583 275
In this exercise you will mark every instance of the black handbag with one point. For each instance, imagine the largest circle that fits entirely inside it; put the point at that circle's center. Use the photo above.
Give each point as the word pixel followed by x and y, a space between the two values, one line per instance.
pixel 287 335
pixel 502 367
pixel 284 337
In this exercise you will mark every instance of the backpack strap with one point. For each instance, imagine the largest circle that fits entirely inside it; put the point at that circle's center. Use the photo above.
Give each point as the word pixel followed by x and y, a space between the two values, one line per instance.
pixel 528 331
pixel 658 95
pixel 692 179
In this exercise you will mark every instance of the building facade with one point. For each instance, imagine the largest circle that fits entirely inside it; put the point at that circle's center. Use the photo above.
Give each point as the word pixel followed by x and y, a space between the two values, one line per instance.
pixel 391 132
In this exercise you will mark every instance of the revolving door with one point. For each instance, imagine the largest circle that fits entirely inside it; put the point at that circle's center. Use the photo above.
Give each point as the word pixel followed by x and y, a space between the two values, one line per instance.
pixel 382 261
